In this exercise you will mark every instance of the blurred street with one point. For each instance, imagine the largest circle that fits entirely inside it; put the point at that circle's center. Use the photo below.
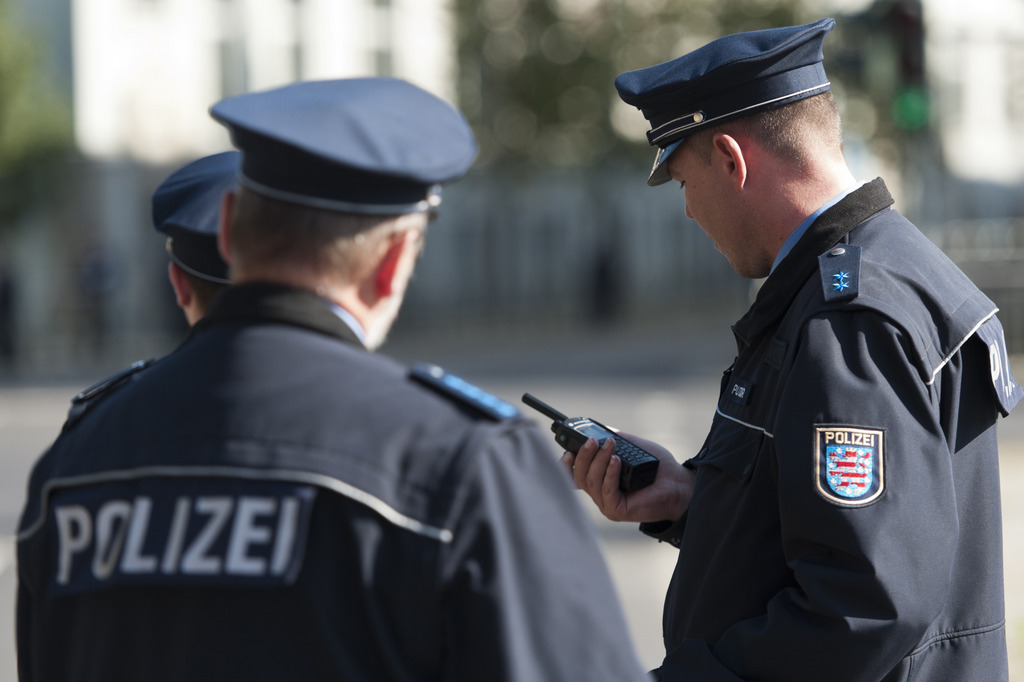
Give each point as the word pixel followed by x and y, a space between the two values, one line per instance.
pixel 659 380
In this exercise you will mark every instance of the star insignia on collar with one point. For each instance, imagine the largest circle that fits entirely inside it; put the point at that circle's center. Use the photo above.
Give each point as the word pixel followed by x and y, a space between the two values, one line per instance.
pixel 841 281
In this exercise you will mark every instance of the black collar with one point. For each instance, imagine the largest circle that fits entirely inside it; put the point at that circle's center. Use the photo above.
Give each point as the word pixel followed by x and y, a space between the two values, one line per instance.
pixel 275 303
pixel 781 287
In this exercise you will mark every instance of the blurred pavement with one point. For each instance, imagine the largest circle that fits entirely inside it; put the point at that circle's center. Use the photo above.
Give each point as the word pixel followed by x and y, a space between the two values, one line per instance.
pixel 656 379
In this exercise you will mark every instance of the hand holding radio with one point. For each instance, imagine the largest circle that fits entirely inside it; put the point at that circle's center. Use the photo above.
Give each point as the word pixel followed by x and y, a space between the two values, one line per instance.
pixel 595 472
pixel 641 492
pixel 639 467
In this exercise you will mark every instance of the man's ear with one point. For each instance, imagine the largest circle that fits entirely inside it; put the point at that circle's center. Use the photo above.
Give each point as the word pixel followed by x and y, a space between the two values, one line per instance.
pixel 227 212
pixel 731 155
pixel 182 290
pixel 389 268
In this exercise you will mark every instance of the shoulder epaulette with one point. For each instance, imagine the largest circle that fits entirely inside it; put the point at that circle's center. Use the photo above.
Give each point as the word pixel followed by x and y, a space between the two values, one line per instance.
pixel 840 272
pixel 86 399
pixel 462 392
pixel 1008 391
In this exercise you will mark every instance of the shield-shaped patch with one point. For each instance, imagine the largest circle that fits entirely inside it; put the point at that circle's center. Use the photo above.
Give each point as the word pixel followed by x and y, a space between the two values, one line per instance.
pixel 849 464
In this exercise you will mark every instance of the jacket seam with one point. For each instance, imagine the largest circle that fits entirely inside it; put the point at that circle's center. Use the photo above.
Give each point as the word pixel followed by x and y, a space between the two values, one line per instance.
pixel 753 427
pixel 953 352
pixel 957 635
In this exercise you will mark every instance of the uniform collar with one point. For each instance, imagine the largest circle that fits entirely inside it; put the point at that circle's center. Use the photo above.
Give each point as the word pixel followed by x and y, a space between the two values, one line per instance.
pixel 266 302
pixel 781 287
pixel 795 236
pixel 349 319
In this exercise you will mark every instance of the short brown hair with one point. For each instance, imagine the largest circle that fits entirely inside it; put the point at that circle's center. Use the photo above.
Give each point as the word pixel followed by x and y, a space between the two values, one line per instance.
pixel 266 231
pixel 790 132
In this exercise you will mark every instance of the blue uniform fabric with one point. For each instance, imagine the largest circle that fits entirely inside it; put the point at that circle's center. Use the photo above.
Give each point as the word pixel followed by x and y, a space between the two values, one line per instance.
pixel 779 576
pixel 272 502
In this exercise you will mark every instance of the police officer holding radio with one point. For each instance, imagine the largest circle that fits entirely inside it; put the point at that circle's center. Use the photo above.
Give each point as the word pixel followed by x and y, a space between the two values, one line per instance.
pixel 186 208
pixel 274 502
pixel 842 520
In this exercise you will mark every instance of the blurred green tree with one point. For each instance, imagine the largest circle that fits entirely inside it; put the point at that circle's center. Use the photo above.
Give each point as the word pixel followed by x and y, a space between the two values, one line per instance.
pixel 35 123
pixel 536 76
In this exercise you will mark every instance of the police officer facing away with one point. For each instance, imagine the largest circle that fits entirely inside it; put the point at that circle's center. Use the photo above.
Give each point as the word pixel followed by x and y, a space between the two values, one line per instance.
pixel 842 520
pixel 186 208
pixel 273 502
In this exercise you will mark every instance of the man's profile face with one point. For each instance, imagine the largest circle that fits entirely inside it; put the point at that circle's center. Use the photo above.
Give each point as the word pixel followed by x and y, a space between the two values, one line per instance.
pixel 715 203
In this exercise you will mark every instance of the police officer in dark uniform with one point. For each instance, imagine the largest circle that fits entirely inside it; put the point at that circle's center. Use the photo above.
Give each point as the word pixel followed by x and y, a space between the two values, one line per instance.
pixel 274 502
pixel 186 208
pixel 842 520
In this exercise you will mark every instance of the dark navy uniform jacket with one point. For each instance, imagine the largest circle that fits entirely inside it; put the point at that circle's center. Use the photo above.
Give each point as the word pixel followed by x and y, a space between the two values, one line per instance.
pixel 845 523
pixel 272 502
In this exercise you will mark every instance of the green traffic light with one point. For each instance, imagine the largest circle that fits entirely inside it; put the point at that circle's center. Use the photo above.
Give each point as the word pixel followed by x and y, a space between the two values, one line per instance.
pixel 910 108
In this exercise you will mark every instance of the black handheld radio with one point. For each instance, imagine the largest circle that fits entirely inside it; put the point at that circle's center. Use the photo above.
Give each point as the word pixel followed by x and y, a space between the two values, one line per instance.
pixel 639 467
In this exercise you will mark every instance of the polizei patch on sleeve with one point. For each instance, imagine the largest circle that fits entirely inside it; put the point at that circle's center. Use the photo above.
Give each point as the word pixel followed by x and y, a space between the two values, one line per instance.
pixel 849 464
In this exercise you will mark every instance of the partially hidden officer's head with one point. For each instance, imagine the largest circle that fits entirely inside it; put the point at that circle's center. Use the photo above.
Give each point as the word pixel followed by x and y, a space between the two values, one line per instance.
pixel 338 180
pixel 186 208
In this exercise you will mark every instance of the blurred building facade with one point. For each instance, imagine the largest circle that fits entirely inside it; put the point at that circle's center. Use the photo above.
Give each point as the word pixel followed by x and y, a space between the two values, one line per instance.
pixel 142 73
pixel 974 59
pixel 140 76
pixel 553 247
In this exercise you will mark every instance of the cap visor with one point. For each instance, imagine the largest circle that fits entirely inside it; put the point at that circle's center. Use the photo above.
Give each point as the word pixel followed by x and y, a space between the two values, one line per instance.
pixel 659 173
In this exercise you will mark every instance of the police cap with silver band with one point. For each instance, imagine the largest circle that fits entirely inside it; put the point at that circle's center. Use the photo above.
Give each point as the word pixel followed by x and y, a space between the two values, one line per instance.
pixel 728 78
pixel 361 145
pixel 186 207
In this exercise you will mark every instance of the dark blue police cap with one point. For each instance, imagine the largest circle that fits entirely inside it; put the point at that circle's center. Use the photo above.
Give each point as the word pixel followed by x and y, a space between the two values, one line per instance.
pixel 360 145
pixel 728 78
pixel 186 207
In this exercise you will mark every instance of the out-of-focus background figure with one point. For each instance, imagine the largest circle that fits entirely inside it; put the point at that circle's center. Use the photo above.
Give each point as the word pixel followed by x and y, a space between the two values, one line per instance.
pixel 102 99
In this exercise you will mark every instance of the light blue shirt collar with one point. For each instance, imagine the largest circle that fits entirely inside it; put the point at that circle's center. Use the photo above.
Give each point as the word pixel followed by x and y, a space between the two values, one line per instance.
pixel 349 319
pixel 793 238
